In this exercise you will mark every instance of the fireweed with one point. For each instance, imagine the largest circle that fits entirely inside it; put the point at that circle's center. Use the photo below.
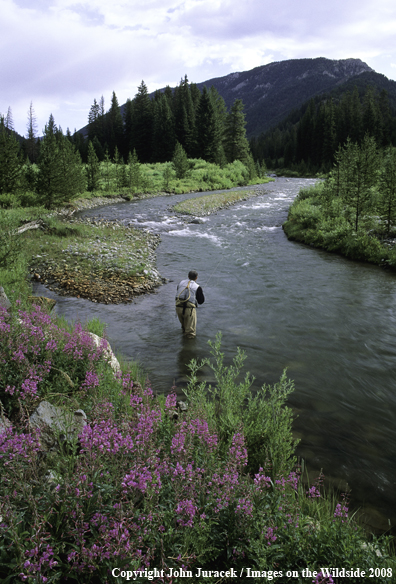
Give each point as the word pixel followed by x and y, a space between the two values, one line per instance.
pixel 147 487
pixel 37 356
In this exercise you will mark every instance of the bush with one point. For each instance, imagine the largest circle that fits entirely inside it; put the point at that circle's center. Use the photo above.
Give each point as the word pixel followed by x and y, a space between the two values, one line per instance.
pixel 38 356
pixel 146 487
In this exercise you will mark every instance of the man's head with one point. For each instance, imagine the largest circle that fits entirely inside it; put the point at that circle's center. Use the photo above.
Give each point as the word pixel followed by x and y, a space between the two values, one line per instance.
pixel 192 275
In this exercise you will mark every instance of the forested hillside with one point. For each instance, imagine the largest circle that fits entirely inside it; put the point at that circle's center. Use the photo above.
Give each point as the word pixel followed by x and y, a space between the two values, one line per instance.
pixel 309 137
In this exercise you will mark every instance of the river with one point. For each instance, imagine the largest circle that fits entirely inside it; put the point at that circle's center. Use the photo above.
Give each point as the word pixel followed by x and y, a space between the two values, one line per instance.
pixel 330 321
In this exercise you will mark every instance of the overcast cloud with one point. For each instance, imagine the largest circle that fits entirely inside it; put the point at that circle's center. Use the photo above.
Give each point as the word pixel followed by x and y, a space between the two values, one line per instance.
pixel 61 54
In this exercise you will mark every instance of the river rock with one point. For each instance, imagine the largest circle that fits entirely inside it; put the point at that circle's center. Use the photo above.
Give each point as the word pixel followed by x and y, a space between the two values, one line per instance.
pixel 42 301
pixel 108 353
pixel 56 425
pixel 4 423
pixel 4 302
pixel 196 221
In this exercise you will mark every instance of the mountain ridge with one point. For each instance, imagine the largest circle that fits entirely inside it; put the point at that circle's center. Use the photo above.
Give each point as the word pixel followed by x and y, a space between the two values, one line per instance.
pixel 271 92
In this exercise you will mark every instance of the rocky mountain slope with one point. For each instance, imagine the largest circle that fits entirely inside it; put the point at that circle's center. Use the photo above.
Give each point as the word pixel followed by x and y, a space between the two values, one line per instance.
pixel 271 91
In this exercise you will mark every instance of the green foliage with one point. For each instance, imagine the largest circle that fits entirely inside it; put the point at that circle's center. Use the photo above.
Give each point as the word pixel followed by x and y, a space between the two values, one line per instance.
pixel 353 210
pixel 10 166
pixel 180 163
pixel 307 141
pixel 92 168
pixel 236 146
pixel 10 241
pixel 167 177
pixel 135 178
pixel 60 168
pixel 387 202
pixel 230 406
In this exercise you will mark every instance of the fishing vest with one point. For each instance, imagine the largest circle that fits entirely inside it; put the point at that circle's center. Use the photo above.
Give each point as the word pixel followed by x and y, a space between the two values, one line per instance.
pixel 186 292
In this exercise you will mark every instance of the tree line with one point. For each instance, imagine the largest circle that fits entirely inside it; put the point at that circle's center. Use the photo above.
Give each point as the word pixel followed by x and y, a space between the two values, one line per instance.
pixel 308 139
pixel 171 126
pixel 152 127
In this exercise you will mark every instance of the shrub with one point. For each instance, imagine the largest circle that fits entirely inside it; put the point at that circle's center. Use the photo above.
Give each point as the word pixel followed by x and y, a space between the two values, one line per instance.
pixel 145 487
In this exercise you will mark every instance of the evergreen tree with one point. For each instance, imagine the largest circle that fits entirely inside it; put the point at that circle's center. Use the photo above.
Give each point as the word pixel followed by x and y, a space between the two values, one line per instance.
pixel 385 118
pixel 142 124
pixel 31 137
pixel 163 131
pixel 98 148
pixel 93 121
pixel 358 174
pixel 92 168
pixel 207 138
pixel 167 176
pixel 180 161
pixel 10 165
pixel 134 173
pixel 114 126
pixel 387 202
pixel 329 134
pixel 117 162
pixel 60 168
pixel 236 146
pixel 184 114
pixel 370 121
pixel 9 122
pixel 107 167
pixel 220 110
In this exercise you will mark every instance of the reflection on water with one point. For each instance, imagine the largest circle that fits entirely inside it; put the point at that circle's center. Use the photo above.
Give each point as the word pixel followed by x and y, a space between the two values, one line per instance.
pixel 330 321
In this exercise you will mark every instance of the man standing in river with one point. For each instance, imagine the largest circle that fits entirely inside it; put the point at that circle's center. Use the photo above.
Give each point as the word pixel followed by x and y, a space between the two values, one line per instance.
pixel 188 295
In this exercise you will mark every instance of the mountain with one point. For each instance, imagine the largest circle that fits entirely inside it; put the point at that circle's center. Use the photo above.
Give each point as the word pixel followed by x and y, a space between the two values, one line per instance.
pixel 271 92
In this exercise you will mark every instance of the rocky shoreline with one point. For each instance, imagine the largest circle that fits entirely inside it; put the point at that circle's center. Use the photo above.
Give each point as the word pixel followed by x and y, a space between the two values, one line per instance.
pixel 114 266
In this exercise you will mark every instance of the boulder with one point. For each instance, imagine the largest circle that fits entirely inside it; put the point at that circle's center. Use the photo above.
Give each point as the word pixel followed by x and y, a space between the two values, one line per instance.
pixel 4 423
pixel 57 425
pixel 108 353
pixel 4 302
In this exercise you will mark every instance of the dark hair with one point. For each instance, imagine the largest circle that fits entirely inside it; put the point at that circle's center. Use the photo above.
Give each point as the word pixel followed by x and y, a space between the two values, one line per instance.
pixel 192 275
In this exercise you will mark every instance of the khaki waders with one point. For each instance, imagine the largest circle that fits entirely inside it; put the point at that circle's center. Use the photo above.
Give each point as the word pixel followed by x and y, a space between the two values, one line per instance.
pixel 187 314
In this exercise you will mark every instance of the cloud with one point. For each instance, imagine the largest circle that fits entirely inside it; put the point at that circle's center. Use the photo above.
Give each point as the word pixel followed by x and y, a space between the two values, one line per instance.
pixel 61 54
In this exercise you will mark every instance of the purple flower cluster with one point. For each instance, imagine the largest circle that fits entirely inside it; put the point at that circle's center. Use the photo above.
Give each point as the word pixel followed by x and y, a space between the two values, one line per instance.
pixel 341 512
pixel 34 347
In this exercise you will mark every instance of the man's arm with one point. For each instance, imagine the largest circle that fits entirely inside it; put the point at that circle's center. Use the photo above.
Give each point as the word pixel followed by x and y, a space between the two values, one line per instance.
pixel 200 295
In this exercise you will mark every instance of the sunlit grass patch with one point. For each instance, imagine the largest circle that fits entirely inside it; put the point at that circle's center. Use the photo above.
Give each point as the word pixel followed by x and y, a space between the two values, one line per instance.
pixel 211 203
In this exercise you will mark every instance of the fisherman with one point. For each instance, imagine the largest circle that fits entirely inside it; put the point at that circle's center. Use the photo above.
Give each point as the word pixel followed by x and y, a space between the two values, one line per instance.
pixel 188 295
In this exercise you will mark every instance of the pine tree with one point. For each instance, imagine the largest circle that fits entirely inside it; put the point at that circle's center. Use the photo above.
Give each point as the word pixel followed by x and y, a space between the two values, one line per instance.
pixel 60 168
pixel 134 173
pixel 236 146
pixel 31 137
pixel 10 165
pixel 93 121
pixel 387 202
pixel 184 114
pixel 9 122
pixel 163 131
pixel 207 138
pixel 107 167
pixel 357 175
pixel 114 126
pixel 180 161
pixel 117 163
pixel 142 124
pixel 92 168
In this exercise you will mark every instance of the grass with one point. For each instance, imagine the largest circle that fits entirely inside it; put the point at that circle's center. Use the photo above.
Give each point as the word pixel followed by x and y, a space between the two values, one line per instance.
pixel 211 203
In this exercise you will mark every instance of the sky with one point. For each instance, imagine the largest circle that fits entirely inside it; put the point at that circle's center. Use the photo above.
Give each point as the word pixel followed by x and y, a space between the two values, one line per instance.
pixel 60 55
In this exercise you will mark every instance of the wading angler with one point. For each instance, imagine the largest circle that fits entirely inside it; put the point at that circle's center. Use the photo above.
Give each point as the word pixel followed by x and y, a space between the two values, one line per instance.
pixel 188 295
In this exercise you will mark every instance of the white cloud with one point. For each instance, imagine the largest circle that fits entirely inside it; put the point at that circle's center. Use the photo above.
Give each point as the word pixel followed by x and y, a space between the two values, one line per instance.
pixel 62 53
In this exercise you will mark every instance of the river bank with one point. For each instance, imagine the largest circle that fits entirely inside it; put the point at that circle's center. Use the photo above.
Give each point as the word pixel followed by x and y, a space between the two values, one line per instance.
pixel 107 261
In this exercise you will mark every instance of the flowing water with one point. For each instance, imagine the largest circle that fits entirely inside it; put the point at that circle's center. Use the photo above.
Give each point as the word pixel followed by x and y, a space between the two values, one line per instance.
pixel 330 321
